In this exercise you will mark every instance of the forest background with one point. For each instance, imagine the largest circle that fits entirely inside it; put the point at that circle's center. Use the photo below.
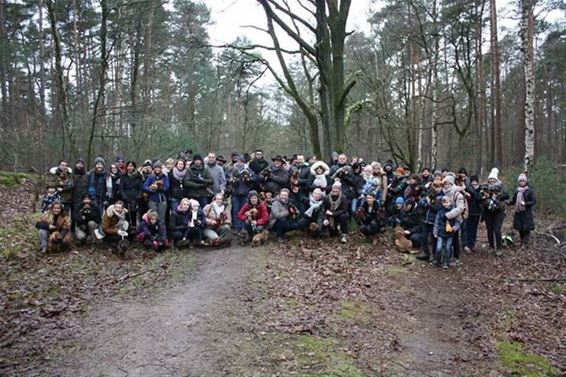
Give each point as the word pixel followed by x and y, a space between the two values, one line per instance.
pixel 427 83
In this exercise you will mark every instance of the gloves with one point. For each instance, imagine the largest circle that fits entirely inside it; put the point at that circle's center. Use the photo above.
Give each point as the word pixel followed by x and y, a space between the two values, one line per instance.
pixel 122 233
pixel 326 222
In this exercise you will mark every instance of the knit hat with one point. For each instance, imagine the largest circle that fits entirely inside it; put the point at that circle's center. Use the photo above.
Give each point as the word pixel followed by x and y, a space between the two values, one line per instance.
pixel 462 170
pixel 447 199
pixel 157 164
pixel 400 171
pixel 522 178
pixel 221 159
pixel 337 185
pixel 147 163
pixel 119 158
pixel 399 201
pixel 449 178
pixel 240 157
pixel 197 157
pixel 99 160
pixel 493 174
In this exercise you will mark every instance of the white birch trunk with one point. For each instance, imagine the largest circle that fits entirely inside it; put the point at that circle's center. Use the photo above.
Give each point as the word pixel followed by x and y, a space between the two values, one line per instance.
pixel 527 29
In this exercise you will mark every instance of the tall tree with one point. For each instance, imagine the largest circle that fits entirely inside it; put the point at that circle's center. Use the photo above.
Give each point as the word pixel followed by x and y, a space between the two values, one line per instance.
pixel 526 34
pixel 496 145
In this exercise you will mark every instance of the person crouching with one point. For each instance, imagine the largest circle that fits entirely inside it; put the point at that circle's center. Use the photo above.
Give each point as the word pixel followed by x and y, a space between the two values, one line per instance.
pixel 151 231
pixel 336 212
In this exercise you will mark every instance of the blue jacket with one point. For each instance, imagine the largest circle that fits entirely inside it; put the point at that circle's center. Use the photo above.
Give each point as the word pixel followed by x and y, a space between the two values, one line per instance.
pixel 440 224
pixel 431 208
pixel 158 195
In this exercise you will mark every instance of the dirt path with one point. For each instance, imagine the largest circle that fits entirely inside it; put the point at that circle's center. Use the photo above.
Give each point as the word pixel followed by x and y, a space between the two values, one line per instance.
pixel 188 331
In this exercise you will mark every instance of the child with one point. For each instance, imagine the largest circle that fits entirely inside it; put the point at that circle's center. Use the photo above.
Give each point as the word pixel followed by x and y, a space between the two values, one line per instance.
pixel 50 197
pixel 151 231
pixel 444 231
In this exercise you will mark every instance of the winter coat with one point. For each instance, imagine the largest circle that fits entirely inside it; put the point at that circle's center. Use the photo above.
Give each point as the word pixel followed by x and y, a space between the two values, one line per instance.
pixel 274 179
pixel 158 195
pixel 218 178
pixel 397 187
pixel 342 207
pixel 179 220
pixel 131 186
pixel 82 217
pixel 147 230
pixel 279 210
pixel 80 184
pixel 62 224
pixel 198 182
pixel 49 199
pixel 211 217
pixel 258 165
pixel 176 188
pixel 439 229
pixel 493 198
pixel 311 184
pixel 431 207
pixel 524 221
pixel 63 180
pixel 262 216
pixel 112 222
pixel 99 185
pixel 369 215
pixel 116 179
pixel 352 186
pixel 474 200
pixel 236 182
pixel 456 193
pixel 412 192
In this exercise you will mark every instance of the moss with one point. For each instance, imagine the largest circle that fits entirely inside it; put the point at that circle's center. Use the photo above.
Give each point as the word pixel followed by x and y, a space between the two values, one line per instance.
pixel 322 354
pixel 394 270
pixel 557 288
pixel 356 310
pixel 522 363
pixel 293 303
pixel 9 179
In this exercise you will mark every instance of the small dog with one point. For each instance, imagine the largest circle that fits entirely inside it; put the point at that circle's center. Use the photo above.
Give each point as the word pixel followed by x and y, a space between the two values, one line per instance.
pixel 402 244
pixel 56 244
pixel 260 238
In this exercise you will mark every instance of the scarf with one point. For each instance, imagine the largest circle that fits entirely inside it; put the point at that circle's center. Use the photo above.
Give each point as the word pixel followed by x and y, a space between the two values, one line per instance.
pixel 313 206
pixel 179 174
pixel 519 206
pixel 218 209
pixel 334 203
pixel 320 181
pixel 194 217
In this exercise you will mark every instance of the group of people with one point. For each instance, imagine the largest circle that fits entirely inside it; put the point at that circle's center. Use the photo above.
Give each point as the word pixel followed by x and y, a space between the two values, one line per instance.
pixel 202 201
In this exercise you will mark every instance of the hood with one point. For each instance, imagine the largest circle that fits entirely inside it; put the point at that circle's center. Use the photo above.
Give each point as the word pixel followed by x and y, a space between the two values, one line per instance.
pixel 318 164
pixel 56 168
pixel 110 211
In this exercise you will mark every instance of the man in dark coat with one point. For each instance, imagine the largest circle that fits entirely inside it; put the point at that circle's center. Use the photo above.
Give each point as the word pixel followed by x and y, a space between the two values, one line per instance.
pixel 274 177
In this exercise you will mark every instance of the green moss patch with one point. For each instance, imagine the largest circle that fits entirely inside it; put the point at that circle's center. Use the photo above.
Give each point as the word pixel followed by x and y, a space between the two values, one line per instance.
pixel 10 179
pixel 357 311
pixel 523 363
pixel 323 358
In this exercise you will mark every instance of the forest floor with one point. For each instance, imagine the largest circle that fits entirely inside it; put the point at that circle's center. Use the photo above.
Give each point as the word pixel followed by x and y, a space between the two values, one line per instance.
pixel 304 308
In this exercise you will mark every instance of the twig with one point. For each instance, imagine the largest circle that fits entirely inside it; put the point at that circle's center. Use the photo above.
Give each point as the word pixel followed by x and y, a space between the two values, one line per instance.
pixel 560 280
pixel 549 235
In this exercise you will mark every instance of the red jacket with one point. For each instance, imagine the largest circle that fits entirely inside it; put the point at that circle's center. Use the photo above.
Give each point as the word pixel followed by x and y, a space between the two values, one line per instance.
pixel 262 217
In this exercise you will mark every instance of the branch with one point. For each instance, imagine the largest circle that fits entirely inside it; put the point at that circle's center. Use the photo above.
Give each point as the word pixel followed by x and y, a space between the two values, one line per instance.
pixel 292 15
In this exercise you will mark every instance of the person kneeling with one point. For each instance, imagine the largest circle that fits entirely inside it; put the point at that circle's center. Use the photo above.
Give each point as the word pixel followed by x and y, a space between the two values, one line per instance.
pixel 87 220
pixel 368 216
pixel 187 223
pixel 254 215
pixel 218 220
pixel 313 218
pixel 151 231
pixel 336 212
pixel 283 215
pixel 54 225
pixel 113 227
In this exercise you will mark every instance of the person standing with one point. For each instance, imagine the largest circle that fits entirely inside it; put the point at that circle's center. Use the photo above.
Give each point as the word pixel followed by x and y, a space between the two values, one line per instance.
pixel 493 195
pixel 524 201
pixel 198 181
pixel 157 187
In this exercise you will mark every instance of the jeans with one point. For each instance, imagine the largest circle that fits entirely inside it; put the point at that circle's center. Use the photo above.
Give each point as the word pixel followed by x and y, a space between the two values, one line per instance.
pixel 43 238
pixel 370 229
pixel 444 249
pixel 81 235
pixel 341 220
pixel 354 205
pixel 493 223
pixel 283 226
pixel 192 234
pixel 160 208
pixel 237 202
pixel 215 233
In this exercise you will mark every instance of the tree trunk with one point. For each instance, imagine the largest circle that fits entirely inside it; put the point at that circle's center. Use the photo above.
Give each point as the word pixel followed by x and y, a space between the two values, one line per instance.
pixel 480 121
pixel 497 145
pixel 527 31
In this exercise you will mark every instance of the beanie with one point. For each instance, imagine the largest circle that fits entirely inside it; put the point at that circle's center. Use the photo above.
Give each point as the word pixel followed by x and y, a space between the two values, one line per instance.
pixel 522 178
pixel 449 178
pixel 493 174
pixel 147 163
pixel 157 164
pixel 337 185
pixel 399 201
pixel 99 160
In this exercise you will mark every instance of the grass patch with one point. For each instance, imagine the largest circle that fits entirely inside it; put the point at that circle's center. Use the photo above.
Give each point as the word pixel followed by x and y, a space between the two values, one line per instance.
pixel 523 363
pixel 357 311
pixel 10 179
pixel 557 288
pixel 322 354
